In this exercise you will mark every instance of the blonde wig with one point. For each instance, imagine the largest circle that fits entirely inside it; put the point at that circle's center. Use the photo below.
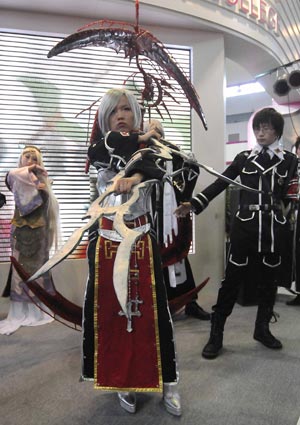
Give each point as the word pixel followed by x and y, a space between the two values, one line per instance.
pixel 53 206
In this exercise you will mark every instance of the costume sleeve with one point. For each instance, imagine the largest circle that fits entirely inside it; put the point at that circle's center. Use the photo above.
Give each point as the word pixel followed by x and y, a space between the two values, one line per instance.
pixel 122 144
pixel 184 183
pixel 202 199
pixel 115 148
pixel 23 184
pixel 145 162
pixel 98 154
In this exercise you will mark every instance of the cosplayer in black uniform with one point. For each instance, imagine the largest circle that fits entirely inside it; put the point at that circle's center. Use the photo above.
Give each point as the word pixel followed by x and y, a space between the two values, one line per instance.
pixel 258 229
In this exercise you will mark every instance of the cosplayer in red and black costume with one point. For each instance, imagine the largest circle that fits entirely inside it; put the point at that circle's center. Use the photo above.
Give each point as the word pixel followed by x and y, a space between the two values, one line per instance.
pixel 137 352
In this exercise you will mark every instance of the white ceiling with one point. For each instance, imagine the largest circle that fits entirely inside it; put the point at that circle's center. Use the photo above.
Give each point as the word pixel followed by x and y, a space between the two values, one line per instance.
pixel 240 67
pixel 103 9
pixel 152 16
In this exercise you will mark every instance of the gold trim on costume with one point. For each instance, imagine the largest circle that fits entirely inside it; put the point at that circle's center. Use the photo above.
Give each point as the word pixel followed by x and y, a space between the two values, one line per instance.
pixel 110 248
pixel 139 389
pixel 140 252
pixel 96 283
pixel 160 379
pixel 139 249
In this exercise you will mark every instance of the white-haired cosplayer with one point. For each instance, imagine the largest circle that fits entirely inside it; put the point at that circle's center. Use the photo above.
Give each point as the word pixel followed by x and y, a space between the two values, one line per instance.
pixel 131 351
pixel 34 230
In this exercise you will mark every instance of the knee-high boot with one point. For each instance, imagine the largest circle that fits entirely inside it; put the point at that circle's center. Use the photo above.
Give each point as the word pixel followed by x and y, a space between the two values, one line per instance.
pixel 215 343
pixel 262 332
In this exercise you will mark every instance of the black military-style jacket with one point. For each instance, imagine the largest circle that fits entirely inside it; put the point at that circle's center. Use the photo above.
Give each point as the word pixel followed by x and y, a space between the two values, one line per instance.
pixel 260 219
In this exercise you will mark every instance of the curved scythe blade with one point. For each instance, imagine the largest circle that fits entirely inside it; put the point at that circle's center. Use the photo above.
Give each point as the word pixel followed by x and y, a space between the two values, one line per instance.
pixel 133 44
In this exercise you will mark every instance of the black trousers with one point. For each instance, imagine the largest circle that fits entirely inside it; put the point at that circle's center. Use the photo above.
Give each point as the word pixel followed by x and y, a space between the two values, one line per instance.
pixel 268 266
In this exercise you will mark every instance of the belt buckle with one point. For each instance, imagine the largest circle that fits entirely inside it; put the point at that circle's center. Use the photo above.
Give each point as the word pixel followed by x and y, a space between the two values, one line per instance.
pixel 253 207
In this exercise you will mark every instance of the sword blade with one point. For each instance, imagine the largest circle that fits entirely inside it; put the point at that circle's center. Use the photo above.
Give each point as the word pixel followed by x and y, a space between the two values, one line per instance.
pixel 210 170
pixel 94 213
pixel 227 179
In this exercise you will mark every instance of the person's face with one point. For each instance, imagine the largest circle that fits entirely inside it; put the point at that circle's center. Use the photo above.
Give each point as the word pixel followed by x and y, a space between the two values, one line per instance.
pixel 122 118
pixel 298 152
pixel 29 158
pixel 265 134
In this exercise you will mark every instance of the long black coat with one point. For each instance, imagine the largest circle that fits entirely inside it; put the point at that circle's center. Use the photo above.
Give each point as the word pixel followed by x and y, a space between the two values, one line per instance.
pixel 256 231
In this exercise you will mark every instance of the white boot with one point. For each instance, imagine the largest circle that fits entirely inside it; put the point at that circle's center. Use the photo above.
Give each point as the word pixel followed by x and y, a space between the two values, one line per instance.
pixel 127 401
pixel 171 399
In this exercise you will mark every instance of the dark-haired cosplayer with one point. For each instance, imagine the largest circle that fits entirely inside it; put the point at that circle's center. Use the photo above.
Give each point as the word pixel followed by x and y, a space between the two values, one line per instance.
pixel 259 226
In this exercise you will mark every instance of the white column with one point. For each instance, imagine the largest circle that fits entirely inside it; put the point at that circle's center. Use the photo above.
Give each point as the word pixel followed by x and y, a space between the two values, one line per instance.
pixel 209 148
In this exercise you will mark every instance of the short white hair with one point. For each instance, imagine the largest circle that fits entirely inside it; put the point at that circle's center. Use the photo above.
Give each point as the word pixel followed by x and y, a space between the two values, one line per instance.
pixel 109 102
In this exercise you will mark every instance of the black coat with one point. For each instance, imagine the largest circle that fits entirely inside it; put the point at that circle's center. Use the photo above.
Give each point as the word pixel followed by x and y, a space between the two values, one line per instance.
pixel 259 224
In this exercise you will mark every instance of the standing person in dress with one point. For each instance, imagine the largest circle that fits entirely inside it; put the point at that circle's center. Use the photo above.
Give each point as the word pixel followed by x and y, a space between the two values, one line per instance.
pixel 127 349
pixel 34 230
pixel 259 226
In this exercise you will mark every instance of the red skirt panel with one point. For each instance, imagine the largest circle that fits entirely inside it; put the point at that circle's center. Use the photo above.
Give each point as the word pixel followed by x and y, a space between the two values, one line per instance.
pixel 126 359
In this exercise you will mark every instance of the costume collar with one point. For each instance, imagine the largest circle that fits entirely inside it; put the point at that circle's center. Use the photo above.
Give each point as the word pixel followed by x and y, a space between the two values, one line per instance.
pixel 274 149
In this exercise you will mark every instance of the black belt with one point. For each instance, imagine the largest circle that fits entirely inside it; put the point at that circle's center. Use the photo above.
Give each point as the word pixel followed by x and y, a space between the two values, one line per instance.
pixel 263 207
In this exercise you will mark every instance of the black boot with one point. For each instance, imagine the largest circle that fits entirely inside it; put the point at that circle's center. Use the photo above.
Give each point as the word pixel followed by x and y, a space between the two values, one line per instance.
pixel 295 301
pixel 194 310
pixel 215 343
pixel 262 332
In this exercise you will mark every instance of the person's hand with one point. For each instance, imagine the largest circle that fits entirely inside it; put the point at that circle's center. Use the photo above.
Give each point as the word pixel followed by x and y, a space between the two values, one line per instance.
pixel 125 184
pixel 41 186
pixel 183 209
pixel 146 138
pixel 37 169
